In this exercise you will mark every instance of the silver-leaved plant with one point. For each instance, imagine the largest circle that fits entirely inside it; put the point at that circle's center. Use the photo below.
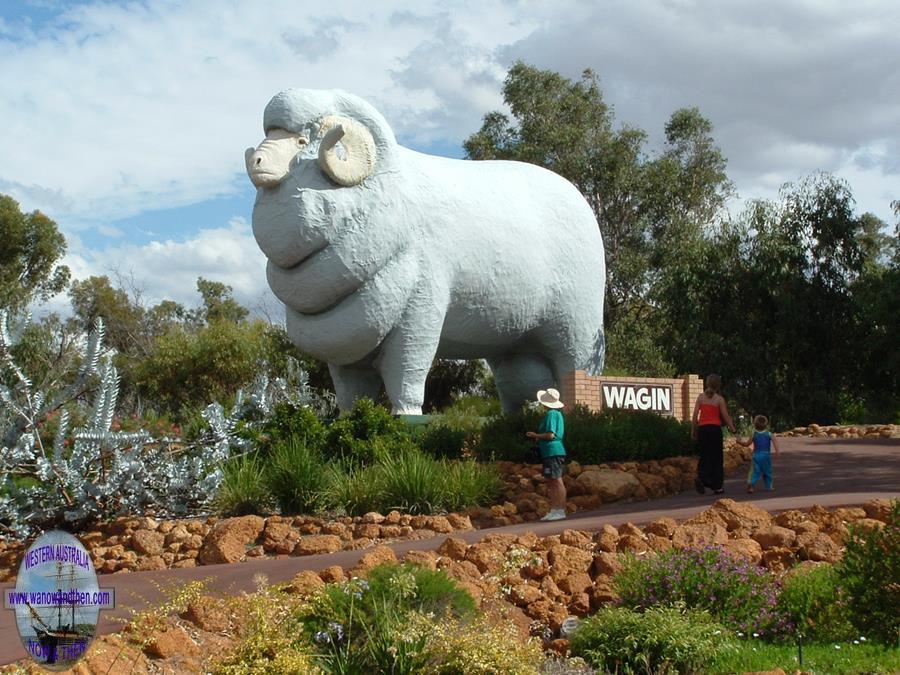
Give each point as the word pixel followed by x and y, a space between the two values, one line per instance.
pixel 92 472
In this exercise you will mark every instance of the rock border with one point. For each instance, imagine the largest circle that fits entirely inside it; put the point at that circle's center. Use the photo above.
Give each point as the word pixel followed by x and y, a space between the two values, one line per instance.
pixel 132 543
pixel 845 431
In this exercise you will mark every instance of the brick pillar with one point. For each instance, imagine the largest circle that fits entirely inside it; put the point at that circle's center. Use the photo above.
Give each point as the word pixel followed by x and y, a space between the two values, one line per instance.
pixel 592 392
pixel 579 388
pixel 691 389
pixel 567 389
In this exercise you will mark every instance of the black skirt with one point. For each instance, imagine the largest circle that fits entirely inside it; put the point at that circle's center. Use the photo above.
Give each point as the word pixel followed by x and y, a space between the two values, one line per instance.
pixel 710 468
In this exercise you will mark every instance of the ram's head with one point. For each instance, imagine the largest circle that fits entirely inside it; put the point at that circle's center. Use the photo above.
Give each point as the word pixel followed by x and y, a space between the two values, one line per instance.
pixel 318 144
pixel 345 148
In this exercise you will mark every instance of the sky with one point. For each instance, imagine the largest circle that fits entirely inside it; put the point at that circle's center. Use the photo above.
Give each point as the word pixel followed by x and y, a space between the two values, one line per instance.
pixel 126 122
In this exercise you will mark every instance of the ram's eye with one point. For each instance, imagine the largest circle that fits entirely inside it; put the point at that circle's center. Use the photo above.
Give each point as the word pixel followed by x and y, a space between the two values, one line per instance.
pixel 302 140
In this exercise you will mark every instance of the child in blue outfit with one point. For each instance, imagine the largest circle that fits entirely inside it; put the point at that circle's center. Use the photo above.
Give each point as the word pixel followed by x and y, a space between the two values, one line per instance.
pixel 763 443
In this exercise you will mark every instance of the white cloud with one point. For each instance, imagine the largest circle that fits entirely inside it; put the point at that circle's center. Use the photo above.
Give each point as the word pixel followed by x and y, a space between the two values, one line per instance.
pixel 790 87
pixel 113 110
pixel 169 269
pixel 120 109
pixel 110 231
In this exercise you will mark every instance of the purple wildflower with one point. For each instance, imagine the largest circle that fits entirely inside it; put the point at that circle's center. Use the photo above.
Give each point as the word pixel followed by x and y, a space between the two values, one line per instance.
pixel 337 629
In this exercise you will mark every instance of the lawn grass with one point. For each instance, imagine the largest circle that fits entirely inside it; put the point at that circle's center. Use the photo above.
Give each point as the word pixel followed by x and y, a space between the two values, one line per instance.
pixel 831 659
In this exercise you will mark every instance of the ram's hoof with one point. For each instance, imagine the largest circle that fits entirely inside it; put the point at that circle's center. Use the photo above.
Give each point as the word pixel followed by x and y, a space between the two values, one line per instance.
pixel 407 410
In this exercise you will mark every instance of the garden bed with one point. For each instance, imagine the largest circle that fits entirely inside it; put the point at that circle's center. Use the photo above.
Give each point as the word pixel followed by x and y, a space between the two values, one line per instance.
pixel 145 543
pixel 527 587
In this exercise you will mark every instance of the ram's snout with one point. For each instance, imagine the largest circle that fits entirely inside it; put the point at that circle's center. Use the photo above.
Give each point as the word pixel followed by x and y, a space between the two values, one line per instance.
pixel 269 164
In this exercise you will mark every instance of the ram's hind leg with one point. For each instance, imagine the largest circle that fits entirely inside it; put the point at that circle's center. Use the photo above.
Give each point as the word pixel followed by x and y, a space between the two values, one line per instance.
pixel 592 353
pixel 353 383
pixel 571 346
pixel 519 377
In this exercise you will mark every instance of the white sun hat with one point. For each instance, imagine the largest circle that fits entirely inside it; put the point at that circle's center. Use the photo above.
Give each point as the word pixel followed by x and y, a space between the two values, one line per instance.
pixel 549 398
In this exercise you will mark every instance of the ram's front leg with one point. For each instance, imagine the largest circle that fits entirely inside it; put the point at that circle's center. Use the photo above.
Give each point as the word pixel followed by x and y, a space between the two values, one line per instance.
pixel 351 384
pixel 408 351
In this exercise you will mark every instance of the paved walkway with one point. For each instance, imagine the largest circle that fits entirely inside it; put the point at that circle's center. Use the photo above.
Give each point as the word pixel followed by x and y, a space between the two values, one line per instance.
pixel 829 472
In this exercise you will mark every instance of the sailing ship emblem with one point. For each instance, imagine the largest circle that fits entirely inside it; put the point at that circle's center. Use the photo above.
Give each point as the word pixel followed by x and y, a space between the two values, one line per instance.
pixel 56 600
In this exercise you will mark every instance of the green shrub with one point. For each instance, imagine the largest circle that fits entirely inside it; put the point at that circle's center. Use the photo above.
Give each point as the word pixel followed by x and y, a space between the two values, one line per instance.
pixel 187 369
pixel 478 647
pixel 158 426
pixel 660 640
pixel 361 625
pixel 243 490
pixel 287 421
pixel 591 437
pixel 503 436
pixel 266 642
pixel 740 595
pixel 470 483
pixel 442 442
pixel 473 406
pixel 296 476
pixel 814 603
pixel 870 574
pixel 449 433
pixel 451 378
pixel 429 591
pixel 193 426
pixel 364 432
pixel 624 435
pixel 411 481
pixel 851 409
pixel 468 413
pixel 352 489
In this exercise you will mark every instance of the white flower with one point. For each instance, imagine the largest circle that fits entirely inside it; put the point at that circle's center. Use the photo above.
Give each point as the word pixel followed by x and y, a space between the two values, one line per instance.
pixel 862 639
pixel 756 635
pixel 856 642
pixel 837 646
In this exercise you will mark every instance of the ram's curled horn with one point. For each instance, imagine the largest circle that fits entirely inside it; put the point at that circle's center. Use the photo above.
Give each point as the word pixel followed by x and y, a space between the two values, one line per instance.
pixel 359 150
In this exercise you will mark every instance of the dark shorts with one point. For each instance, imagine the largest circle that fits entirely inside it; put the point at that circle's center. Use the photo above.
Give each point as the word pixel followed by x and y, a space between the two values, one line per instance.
pixel 553 466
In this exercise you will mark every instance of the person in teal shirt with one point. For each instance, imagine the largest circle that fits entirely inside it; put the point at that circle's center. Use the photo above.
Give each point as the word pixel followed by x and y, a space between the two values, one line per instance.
pixel 553 453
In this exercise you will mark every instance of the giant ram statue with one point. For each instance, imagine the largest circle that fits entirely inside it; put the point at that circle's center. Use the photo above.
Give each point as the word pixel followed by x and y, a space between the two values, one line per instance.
pixel 387 258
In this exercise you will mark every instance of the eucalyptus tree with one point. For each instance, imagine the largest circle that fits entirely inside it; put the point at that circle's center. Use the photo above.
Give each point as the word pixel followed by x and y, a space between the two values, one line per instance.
pixel 31 249
pixel 777 303
pixel 649 208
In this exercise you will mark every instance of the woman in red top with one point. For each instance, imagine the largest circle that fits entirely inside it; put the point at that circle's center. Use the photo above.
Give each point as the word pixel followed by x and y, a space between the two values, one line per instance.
pixel 710 413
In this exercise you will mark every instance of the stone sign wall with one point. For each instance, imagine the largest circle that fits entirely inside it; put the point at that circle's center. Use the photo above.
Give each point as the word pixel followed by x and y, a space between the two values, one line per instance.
pixel 671 397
